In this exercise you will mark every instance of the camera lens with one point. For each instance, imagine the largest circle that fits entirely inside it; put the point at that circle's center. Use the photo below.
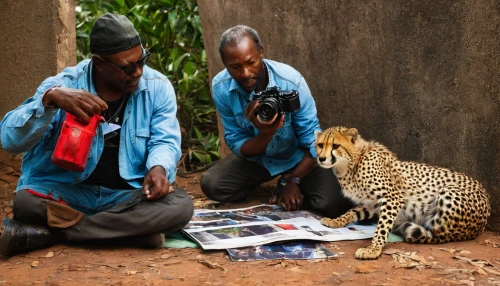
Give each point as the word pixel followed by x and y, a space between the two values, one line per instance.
pixel 267 111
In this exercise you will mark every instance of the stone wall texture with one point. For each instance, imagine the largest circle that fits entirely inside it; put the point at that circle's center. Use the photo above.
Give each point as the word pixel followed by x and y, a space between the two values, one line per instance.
pixel 420 76
pixel 38 40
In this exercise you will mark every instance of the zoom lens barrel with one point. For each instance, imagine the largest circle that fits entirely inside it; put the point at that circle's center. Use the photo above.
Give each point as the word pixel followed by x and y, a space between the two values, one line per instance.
pixel 268 109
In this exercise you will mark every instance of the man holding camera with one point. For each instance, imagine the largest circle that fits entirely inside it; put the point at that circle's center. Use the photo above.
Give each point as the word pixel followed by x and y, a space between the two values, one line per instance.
pixel 275 140
pixel 124 194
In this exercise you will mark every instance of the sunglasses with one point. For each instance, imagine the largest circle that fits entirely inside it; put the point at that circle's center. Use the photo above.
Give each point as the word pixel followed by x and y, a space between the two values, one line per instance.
pixel 130 68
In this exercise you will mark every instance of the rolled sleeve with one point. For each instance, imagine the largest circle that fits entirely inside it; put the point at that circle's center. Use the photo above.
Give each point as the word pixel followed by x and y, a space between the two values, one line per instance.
pixel 22 128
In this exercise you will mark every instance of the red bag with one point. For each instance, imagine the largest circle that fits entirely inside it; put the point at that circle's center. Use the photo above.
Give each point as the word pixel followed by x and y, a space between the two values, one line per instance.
pixel 74 142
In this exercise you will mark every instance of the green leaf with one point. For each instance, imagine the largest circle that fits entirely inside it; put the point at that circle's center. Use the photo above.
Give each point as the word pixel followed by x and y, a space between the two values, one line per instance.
pixel 179 60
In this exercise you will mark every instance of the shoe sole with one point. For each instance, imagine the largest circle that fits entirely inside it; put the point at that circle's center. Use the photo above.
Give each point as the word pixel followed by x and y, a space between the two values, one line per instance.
pixel 5 237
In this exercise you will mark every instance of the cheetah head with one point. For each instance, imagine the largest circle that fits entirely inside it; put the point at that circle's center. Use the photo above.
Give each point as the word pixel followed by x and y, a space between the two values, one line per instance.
pixel 334 148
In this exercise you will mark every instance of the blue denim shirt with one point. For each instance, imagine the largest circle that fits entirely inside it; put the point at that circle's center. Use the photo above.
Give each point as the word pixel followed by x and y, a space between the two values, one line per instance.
pixel 290 142
pixel 150 133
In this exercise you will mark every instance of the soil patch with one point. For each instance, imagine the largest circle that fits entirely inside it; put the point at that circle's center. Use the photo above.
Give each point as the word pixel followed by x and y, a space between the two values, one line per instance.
pixel 475 262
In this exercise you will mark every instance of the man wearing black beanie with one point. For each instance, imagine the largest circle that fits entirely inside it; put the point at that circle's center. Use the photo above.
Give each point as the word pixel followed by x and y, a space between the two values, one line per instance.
pixel 124 194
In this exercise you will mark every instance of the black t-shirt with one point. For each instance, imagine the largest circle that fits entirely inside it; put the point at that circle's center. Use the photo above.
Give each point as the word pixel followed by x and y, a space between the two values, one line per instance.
pixel 107 173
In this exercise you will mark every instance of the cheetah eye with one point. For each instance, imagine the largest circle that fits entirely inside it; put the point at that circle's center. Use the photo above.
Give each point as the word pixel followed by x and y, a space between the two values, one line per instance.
pixel 335 146
pixel 320 145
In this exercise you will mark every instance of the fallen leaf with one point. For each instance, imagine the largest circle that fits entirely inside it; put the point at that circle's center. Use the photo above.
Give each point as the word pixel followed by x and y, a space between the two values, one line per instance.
pixel 132 272
pixel 75 267
pixel 165 256
pixel 391 251
pixel 367 268
pixel 491 271
pixel 407 265
pixel 34 264
pixel 481 271
pixel 476 262
pixel 420 267
pixel 50 254
pixel 212 265
pixel 172 262
pixel 452 250
pixel 417 258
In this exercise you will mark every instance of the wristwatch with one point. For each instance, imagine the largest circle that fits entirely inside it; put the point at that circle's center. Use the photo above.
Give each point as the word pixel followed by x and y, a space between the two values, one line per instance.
pixel 295 180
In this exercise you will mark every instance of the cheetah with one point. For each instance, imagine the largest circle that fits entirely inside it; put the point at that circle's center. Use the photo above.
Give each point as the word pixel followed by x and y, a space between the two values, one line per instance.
pixel 423 203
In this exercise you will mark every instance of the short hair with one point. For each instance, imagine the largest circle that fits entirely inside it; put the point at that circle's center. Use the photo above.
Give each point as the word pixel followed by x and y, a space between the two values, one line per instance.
pixel 234 35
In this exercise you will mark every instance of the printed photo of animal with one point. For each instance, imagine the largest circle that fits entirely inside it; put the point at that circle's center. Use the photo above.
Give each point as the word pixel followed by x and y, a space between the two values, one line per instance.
pixel 423 203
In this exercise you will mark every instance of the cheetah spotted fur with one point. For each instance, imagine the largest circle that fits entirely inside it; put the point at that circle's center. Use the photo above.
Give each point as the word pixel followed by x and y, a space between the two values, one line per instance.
pixel 424 204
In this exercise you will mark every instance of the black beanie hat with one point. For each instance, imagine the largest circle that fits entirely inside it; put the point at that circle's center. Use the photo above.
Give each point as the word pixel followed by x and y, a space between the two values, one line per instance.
pixel 113 33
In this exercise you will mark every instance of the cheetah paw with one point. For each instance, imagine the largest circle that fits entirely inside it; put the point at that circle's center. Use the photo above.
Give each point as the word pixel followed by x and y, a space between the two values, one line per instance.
pixel 334 223
pixel 371 252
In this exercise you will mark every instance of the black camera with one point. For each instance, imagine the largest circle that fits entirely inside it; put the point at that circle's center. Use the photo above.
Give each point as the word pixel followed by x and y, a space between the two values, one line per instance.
pixel 274 102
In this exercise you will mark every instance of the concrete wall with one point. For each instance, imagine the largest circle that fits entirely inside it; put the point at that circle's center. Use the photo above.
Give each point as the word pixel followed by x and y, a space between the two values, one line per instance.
pixel 38 40
pixel 422 77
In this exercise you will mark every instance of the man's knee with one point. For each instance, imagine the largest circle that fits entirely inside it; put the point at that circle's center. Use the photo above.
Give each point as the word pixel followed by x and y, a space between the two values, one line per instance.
pixel 29 208
pixel 208 185
pixel 181 212
pixel 331 208
pixel 186 206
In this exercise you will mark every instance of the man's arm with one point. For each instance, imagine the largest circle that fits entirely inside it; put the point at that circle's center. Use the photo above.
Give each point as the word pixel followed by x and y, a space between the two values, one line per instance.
pixel 164 145
pixel 291 197
pixel 22 128
pixel 237 129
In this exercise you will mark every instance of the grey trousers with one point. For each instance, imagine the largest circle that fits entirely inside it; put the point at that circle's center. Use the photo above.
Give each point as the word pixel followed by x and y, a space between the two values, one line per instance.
pixel 234 179
pixel 132 217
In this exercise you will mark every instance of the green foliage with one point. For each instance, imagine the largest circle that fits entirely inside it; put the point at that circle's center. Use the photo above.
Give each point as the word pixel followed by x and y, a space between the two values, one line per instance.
pixel 171 30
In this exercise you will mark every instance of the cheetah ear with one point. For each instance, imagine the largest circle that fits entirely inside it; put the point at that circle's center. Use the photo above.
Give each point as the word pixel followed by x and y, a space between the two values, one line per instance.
pixel 353 134
pixel 316 134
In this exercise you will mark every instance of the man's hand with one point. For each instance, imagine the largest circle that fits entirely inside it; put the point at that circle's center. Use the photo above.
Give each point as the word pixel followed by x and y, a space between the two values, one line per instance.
pixel 267 129
pixel 156 184
pixel 291 197
pixel 78 102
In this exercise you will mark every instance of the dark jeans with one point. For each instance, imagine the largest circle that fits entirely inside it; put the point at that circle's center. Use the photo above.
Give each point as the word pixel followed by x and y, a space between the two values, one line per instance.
pixel 234 179
pixel 130 217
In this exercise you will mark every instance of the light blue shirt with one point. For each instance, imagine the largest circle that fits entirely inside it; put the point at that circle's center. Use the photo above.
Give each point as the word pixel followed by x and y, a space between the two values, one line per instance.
pixel 150 133
pixel 290 142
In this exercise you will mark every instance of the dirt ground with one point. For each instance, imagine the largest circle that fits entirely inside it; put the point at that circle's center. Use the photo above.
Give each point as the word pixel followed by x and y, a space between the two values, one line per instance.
pixel 474 262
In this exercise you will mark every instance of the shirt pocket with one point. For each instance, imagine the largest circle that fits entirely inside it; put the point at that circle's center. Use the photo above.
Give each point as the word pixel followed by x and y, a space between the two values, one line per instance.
pixel 140 138
pixel 242 121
